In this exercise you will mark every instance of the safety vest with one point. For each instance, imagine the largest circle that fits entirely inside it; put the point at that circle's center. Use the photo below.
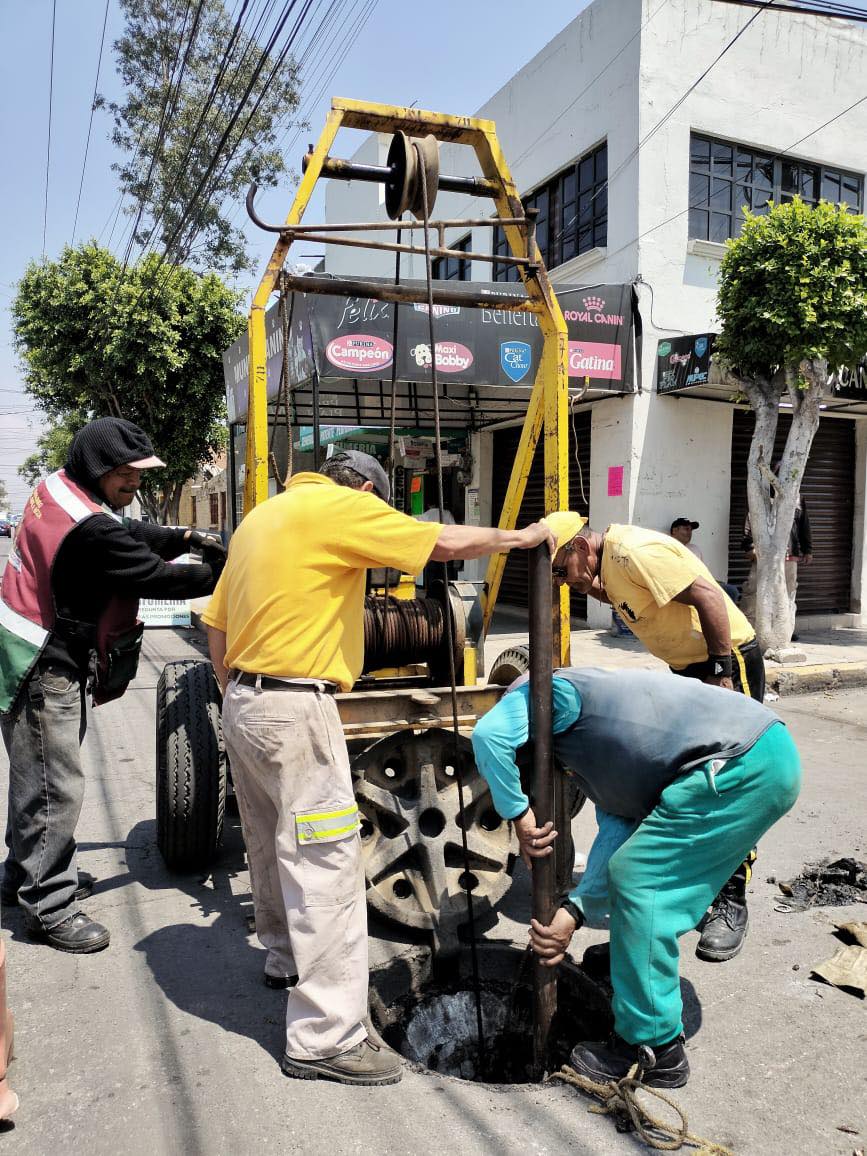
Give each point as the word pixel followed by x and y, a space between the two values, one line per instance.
pixel 27 609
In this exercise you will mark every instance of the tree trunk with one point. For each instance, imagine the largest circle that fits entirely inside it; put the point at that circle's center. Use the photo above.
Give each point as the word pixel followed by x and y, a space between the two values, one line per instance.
pixel 773 497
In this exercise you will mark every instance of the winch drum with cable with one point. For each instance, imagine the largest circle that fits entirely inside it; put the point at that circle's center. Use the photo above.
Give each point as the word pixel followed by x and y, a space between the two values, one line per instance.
pixel 400 632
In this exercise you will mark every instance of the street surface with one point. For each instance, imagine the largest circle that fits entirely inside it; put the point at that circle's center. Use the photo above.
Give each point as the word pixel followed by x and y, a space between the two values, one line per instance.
pixel 168 1042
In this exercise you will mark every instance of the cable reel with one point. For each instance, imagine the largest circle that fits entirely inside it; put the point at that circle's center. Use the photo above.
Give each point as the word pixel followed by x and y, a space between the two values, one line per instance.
pixel 411 161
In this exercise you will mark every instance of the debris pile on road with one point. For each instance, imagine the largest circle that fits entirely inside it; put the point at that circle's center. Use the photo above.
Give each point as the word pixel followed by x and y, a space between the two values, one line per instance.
pixel 827 885
pixel 847 968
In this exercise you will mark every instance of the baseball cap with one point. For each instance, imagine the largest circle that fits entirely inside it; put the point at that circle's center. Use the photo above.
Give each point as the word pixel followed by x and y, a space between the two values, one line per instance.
pixel 684 522
pixel 564 525
pixel 368 467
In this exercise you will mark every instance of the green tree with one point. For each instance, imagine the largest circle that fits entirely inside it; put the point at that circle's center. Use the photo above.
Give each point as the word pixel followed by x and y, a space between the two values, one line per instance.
pixel 4 496
pixel 793 306
pixel 186 70
pixel 144 346
pixel 52 447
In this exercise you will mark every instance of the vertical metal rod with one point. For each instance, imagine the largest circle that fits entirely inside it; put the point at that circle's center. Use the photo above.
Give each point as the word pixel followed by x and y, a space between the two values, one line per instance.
pixel 316 454
pixel 541 729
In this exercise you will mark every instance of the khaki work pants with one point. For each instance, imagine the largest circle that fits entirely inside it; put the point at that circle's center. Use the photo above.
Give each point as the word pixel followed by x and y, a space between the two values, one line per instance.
pixel 747 604
pixel 291 774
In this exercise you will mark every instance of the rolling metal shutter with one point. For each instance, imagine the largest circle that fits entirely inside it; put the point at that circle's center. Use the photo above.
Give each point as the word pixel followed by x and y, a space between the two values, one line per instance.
pixel 829 491
pixel 515 583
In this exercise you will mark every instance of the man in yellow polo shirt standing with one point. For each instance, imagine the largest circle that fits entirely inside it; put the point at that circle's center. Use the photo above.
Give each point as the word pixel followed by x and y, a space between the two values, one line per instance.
pixel 674 605
pixel 285 631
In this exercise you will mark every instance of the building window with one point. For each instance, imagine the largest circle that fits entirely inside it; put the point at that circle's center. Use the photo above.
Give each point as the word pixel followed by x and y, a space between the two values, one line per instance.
pixel 215 509
pixel 572 214
pixel 725 178
pixel 453 268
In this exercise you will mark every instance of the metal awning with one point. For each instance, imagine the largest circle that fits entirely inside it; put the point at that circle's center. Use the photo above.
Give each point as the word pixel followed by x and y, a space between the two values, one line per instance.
pixel 343 349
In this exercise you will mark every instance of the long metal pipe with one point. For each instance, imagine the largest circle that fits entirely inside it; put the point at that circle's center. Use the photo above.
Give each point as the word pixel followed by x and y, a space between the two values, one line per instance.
pixel 343 170
pixel 383 291
pixel 541 729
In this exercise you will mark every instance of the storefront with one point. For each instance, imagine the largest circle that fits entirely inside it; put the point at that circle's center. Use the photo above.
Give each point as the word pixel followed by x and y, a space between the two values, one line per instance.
pixel 340 357
pixel 832 487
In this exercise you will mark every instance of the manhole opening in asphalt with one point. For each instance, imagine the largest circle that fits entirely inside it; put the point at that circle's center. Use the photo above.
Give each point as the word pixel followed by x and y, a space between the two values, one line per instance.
pixel 427 1012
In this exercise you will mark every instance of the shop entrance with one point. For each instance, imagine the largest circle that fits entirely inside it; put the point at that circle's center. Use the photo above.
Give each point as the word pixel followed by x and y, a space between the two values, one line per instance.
pixel 829 492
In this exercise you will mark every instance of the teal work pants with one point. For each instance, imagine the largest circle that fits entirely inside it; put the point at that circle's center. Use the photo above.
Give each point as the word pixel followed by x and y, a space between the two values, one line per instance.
pixel 663 878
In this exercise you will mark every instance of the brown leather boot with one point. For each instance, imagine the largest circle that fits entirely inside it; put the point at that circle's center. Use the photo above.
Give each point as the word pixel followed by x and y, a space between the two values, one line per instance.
pixel 8 1099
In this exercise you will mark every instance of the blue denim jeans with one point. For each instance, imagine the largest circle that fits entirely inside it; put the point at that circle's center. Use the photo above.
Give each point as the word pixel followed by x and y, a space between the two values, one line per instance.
pixel 43 734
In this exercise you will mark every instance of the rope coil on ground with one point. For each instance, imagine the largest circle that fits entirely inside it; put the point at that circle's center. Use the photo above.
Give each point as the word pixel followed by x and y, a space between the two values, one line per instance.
pixel 621 1101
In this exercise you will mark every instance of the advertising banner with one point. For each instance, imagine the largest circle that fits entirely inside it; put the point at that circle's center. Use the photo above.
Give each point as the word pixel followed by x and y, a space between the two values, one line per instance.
pixel 351 339
pixel 164 611
pixel 683 361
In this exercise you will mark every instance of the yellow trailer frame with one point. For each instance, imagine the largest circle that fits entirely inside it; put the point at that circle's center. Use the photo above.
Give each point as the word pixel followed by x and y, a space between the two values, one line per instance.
pixel 547 408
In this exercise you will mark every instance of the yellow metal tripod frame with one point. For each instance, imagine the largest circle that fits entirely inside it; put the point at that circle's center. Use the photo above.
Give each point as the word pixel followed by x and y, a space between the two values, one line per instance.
pixel 548 405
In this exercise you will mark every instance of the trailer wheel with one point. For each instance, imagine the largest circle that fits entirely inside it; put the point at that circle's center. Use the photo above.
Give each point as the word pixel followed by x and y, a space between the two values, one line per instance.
pixel 509 665
pixel 191 766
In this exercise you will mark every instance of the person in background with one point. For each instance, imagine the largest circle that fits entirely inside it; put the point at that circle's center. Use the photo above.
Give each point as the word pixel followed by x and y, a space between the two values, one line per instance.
pixel 8 1099
pixel 681 530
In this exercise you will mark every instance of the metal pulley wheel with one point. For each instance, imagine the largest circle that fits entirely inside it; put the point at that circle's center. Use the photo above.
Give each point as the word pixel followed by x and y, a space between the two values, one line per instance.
pixel 407 792
pixel 403 189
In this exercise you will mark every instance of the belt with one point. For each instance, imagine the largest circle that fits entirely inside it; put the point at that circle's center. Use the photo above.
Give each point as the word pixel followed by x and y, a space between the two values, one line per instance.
pixel 245 678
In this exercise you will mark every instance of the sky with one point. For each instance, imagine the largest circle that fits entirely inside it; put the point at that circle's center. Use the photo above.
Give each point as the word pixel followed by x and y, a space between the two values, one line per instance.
pixel 451 58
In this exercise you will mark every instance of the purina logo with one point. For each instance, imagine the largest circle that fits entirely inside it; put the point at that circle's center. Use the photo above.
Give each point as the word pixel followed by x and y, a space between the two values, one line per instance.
pixel 516 357
pixel 439 310
pixel 359 352
pixel 701 347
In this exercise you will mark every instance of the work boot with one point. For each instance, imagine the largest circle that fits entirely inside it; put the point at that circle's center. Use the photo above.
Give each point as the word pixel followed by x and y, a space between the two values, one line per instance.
pixel 367 1064
pixel 84 890
pixel 724 928
pixel 77 934
pixel 606 1062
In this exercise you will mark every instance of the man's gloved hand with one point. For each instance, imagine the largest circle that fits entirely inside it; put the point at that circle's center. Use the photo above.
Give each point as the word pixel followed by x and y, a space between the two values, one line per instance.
pixel 212 549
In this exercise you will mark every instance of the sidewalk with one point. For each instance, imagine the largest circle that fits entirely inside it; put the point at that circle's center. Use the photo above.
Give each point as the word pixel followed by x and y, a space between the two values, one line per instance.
pixel 836 658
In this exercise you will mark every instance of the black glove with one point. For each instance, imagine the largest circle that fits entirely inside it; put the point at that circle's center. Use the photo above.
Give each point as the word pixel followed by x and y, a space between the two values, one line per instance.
pixel 211 548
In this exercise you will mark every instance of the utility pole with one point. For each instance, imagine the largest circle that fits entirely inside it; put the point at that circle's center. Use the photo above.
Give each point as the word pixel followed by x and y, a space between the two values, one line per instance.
pixel 541 730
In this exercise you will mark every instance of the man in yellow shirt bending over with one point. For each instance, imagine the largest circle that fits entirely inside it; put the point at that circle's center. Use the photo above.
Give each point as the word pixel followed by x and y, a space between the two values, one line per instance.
pixel 674 605
pixel 285 632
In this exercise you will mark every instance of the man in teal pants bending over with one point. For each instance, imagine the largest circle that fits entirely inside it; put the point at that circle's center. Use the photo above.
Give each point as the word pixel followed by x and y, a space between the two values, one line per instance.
pixel 686 778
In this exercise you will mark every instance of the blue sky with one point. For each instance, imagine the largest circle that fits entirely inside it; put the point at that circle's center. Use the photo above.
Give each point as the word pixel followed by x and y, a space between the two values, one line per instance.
pixel 476 47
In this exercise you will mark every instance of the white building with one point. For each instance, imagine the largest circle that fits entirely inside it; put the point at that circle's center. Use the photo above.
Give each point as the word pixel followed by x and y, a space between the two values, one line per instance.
pixel 634 184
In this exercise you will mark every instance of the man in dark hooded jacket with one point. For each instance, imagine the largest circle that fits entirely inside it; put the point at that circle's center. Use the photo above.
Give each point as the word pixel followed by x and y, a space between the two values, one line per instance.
pixel 68 624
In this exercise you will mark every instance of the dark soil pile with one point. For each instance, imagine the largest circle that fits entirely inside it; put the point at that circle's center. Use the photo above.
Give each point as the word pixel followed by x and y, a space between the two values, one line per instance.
pixel 828 884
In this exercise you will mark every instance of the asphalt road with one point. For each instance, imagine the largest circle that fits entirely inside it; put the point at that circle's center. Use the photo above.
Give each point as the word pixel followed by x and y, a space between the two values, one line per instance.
pixel 169 1043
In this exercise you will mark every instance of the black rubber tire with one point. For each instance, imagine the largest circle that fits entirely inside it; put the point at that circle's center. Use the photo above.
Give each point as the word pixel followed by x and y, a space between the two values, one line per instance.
pixel 191 766
pixel 509 665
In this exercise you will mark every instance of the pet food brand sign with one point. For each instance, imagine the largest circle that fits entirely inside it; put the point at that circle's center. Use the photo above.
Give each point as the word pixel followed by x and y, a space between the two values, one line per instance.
pixel 359 352
pixel 516 357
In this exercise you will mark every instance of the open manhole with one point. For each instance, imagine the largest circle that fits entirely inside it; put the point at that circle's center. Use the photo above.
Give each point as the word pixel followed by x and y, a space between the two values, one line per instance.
pixel 427 1013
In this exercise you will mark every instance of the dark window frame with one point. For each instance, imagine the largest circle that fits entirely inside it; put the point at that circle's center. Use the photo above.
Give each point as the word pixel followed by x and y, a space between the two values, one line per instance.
pixel 453 268
pixel 572 213
pixel 725 176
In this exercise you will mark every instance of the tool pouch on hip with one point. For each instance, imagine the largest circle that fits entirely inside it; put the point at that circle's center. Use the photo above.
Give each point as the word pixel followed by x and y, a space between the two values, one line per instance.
pixel 118 663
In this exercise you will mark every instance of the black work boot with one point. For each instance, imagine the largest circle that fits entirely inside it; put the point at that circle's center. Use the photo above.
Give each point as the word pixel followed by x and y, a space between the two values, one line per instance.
pixel 78 934
pixel 606 1062
pixel 724 928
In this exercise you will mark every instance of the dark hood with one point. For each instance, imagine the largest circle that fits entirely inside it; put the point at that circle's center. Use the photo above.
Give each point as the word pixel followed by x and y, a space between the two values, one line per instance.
pixel 101 446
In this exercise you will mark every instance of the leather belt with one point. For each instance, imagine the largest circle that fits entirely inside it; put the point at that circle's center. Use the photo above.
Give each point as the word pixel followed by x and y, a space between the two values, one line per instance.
pixel 245 678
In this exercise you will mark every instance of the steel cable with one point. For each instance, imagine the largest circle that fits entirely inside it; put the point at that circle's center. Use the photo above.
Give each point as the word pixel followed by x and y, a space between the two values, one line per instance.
pixel 449 625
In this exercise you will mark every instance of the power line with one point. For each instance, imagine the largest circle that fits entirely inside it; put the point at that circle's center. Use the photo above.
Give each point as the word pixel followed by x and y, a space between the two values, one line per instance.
pixel 48 149
pixel 90 123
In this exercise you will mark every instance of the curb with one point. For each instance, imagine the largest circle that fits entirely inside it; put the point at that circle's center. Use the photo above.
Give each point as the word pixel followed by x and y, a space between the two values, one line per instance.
pixel 809 679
